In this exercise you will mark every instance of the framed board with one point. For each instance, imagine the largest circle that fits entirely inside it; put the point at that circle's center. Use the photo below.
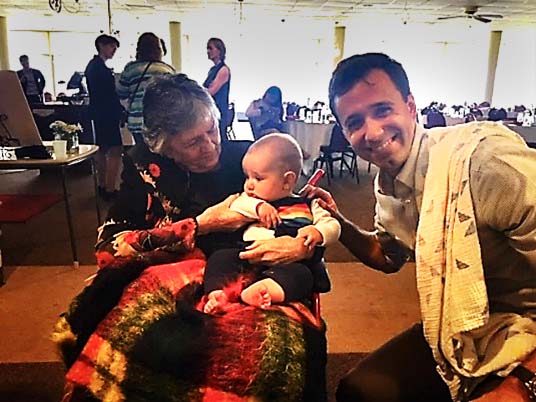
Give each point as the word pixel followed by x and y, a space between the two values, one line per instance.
pixel 17 125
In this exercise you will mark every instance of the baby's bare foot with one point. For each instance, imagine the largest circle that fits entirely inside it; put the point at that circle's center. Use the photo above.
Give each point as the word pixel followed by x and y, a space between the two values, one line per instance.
pixel 217 300
pixel 257 295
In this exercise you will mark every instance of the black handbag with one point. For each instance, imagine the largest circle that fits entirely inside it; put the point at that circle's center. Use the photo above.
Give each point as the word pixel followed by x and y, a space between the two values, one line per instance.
pixel 124 117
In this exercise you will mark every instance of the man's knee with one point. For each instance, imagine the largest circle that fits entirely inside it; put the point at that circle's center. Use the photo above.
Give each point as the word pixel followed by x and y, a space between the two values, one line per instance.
pixel 363 385
pixel 348 390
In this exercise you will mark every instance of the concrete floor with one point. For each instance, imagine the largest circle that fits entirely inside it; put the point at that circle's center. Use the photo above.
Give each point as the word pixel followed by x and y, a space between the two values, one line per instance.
pixel 364 309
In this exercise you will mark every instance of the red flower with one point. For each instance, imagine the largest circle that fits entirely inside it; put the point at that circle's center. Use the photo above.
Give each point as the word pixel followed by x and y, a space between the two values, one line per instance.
pixel 154 169
pixel 104 258
pixel 184 227
pixel 131 238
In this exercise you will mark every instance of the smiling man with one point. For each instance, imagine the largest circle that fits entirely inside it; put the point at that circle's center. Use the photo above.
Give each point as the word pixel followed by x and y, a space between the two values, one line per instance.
pixel 461 201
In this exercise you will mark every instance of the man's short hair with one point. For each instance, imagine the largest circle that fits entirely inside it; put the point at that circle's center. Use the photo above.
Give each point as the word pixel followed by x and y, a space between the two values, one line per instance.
pixel 23 57
pixel 104 39
pixel 355 68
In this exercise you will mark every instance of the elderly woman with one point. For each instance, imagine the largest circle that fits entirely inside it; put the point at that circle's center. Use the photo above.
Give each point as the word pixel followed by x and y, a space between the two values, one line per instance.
pixel 137 74
pixel 137 331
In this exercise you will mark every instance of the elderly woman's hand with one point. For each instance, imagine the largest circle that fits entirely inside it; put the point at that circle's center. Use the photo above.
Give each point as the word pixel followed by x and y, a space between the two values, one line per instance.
pixel 220 218
pixel 280 250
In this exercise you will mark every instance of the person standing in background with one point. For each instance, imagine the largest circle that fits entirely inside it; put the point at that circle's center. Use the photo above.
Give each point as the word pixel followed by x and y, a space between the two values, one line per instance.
pixel 32 81
pixel 218 81
pixel 135 76
pixel 266 114
pixel 105 111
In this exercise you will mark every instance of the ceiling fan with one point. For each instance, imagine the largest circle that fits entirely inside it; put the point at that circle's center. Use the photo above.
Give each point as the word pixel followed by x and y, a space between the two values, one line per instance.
pixel 471 12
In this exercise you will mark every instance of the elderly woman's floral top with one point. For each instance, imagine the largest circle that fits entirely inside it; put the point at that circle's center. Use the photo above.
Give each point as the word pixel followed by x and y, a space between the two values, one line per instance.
pixel 151 219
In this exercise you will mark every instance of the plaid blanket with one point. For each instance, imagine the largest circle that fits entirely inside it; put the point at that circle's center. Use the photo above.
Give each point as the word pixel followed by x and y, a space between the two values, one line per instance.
pixel 138 334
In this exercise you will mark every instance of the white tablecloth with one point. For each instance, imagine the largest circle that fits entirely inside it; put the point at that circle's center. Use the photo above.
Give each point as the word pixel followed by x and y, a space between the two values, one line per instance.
pixel 310 136
pixel 452 121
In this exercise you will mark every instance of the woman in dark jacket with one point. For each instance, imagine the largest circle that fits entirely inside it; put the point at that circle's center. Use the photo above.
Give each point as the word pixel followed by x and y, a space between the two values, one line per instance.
pixel 105 111
pixel 138 331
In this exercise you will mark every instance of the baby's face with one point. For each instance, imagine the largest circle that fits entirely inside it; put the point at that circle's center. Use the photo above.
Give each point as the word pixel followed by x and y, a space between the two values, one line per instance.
pixel 264 179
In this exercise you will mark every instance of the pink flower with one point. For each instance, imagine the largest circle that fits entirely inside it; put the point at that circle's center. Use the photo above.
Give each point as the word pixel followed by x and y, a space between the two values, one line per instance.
pixel 154 169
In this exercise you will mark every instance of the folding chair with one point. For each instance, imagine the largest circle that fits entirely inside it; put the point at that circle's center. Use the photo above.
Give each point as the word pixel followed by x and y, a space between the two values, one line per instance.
pixel 338 150
pixel 230 118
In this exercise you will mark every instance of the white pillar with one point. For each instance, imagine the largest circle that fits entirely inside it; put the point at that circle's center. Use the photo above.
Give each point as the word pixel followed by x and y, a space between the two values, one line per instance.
pixel 339 44
pixel 493 57
pixel 4 51
pixel 175 45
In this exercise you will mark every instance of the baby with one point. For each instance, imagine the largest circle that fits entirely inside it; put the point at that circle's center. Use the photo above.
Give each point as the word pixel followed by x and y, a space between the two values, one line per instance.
pixel 272 167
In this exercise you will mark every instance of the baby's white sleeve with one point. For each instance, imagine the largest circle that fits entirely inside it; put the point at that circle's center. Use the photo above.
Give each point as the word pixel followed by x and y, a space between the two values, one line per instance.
pixel 246 206
pixel 328 226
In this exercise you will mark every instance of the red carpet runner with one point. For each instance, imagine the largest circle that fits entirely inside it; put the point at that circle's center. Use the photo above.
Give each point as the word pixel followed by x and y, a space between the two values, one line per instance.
pixel 18 208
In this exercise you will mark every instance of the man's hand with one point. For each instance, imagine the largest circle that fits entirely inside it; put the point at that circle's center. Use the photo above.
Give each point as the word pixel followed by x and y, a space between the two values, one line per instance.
pixel 325 199
pixel 221 218
pixel 280 250
pixel 268 215
pixel 312 236
pixel 510 390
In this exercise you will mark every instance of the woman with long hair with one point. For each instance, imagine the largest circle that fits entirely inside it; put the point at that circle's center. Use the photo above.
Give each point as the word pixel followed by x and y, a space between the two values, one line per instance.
pixel 135 76
pixel 266 114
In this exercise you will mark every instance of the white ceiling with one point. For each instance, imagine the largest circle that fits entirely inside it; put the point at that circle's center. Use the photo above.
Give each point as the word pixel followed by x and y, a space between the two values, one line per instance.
pixel 513 11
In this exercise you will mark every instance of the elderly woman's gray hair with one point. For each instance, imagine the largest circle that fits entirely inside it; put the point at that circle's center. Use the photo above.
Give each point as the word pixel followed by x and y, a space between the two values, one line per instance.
pixel 172 104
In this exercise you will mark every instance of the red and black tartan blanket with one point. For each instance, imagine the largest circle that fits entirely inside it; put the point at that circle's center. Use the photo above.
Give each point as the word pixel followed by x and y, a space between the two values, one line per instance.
pixel 138 334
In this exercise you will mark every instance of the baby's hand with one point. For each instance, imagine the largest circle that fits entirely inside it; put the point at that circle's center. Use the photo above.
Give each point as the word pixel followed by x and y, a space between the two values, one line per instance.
pixel 312 236
pixel 268 215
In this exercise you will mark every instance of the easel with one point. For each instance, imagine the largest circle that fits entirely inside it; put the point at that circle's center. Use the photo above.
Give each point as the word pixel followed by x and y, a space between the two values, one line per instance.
pixel 17 125
pixel 6 139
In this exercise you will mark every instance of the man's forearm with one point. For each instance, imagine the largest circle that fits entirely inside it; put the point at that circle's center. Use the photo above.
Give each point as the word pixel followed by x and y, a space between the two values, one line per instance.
pixel 366 247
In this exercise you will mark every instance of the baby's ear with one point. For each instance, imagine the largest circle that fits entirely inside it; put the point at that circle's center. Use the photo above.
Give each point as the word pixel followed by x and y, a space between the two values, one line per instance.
pixel 290 178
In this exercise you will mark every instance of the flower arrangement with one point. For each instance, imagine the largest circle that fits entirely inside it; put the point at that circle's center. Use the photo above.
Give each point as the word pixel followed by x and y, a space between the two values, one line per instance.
pixel 68 132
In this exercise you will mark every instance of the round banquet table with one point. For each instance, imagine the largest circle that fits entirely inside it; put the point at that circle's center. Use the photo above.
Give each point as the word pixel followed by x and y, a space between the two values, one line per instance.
pixel 310 136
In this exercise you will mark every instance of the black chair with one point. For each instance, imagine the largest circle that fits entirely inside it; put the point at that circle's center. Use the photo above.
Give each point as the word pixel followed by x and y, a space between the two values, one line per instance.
pixel 230 119
pixel 497 114
pixel 338 150
pixel 435 118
